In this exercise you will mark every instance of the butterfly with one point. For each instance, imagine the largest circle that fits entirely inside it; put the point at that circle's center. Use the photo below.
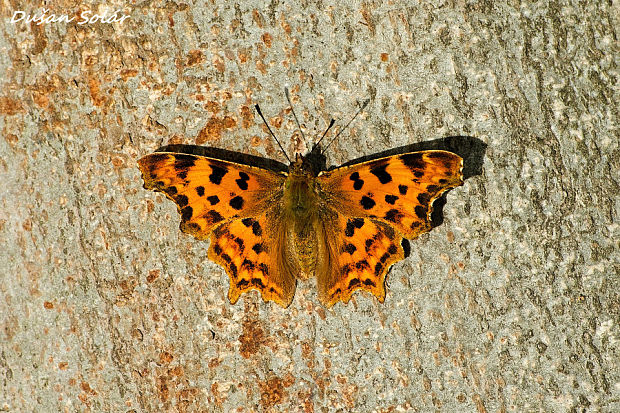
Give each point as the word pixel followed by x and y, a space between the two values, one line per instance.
pixel 269 228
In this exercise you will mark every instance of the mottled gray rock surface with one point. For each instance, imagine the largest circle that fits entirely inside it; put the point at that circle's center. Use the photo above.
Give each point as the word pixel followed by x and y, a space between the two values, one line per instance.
pixel 511 304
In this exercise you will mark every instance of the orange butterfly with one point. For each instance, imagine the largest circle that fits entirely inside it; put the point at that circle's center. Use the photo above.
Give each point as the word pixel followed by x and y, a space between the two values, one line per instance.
pixel 269 228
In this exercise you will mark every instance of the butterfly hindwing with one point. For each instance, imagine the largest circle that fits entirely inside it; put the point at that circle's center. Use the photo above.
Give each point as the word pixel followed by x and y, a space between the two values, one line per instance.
pixel 360 251
pixel 209 191
pixel 398 190
pixel 249 249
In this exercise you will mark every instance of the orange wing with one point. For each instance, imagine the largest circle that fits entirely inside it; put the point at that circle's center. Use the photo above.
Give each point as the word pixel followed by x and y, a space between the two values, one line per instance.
pixel 210 191
pixel 253 252
pixel 237 206
pixel 356 254
pixel 377 204
pixel 398 190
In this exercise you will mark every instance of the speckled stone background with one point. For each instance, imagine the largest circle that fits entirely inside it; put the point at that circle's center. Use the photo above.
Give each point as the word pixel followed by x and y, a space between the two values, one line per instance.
pixel 511 304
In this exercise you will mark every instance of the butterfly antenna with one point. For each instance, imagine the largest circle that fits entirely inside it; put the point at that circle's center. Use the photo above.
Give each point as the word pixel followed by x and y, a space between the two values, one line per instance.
pixel 270 131
pixel 347 125
pixel 331 123
pixel 288 97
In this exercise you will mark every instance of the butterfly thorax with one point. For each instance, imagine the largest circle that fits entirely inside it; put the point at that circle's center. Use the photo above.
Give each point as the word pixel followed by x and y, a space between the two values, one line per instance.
pixel 301 205
pixel 300 195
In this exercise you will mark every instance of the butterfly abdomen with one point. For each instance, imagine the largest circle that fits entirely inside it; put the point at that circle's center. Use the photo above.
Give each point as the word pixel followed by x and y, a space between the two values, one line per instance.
pixel 304 242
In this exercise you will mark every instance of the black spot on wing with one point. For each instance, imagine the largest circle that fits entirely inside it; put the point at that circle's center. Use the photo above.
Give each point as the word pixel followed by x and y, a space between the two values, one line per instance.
pixel 370 283
pixel 349 248
pixel 349 230
pixel 403 189
pixel 352 224
pixel 240 243
pixel 424 198
pixel 362 265
pixel 236 203
pixel 421 212
pixel 258 248
pixel 357 182
pixel 391 199
pixel 263 267
pixel 200 190
pixel 182 161
pixel 256 229
pixel 367 202
pixel 193 226
pixel 384 257
pixel 242 182
pixel 257 282
pixel 378 268
pixel 186 213
pixel 346 269
pixel 217 249
pixel 249 265
pixel 392 250
pixel 389 232
pixel 213 199
pixel 172 190
pixel 354 283
pixel 413 160
pixel 182 174
pixel 181 200
pixel 220 231
pixel 217 173
pixel 394 215
pixel 233 269
pixel 380 172
pixel 247 222
pixel 213 216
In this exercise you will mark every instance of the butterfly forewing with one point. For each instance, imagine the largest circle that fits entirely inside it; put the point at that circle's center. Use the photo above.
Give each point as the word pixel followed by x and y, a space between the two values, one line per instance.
pixel 398 190
pixel 210 191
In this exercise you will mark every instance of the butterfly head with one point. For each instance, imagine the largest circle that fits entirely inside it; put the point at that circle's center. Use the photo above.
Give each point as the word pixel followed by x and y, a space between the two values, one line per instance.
pixel 309 165
pixel 315 161
pixel 300 167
